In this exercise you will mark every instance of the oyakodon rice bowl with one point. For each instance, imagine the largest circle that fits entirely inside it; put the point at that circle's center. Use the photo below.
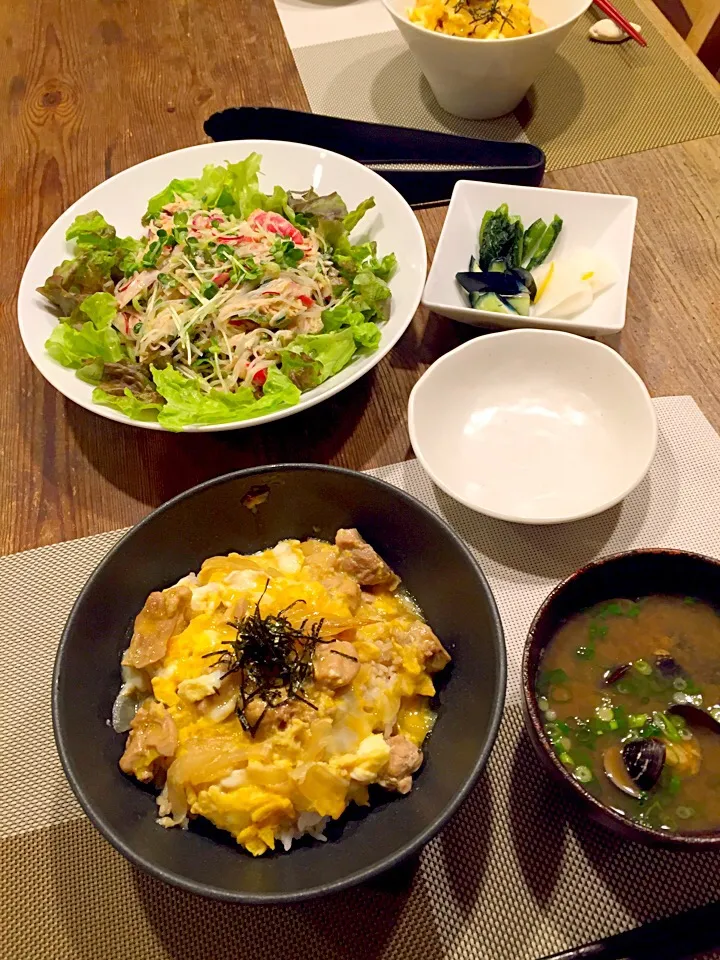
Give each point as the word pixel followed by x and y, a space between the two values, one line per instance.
pixel 249 511
pixel 267 692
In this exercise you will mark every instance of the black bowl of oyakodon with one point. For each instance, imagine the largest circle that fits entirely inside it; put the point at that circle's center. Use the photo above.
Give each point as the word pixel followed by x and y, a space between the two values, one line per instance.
pixel 246 512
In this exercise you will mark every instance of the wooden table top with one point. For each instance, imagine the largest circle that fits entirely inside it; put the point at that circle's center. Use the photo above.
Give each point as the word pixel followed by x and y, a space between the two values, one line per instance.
pixel 94 86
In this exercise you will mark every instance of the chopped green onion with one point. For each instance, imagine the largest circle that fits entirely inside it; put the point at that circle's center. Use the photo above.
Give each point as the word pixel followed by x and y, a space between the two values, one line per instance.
pixel 610 610
pixel 286 253
pixel 685 812
pixel 543 703
pixel 209 289
pixel 152 253
pixel 642 667
pixel 679 683
pixel 585 653
pixel 637 720
pixel 674 783
pixel 550 715
pixel 583 774
pixel 606 714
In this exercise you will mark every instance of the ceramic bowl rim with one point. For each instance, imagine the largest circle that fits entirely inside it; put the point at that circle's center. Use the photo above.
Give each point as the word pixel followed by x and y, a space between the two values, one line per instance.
pixel 540 742
pixel 496 639
pixel 514 518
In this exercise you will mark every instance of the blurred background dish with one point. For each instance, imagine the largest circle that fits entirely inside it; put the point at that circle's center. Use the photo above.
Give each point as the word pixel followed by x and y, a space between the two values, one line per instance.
pixel 533 426
pixel 249 511
pixel 648 767
pixel 482 79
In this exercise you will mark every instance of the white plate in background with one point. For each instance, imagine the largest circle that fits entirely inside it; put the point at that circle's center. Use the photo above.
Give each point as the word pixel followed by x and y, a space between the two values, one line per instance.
pixel 601 222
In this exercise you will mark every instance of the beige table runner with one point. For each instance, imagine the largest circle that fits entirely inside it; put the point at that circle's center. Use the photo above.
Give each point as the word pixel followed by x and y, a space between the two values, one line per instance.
pixel 594 101
pixel 516 875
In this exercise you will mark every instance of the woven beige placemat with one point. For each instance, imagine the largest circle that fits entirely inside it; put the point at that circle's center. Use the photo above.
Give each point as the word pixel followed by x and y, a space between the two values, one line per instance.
pixel 516 874
pixel 594 101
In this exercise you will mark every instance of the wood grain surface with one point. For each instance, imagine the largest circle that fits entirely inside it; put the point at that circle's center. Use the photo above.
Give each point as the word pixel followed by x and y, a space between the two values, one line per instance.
pixel 90 87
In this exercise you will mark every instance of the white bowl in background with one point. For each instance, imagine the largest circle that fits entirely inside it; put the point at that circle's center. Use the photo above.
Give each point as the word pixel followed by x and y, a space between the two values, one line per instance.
pixel 533 426
pixel 123 200
pixel 482 79
pixel 602 222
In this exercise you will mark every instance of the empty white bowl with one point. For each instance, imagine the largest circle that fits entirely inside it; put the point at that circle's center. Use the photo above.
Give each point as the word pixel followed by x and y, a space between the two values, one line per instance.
pixel 481 79
pixel 602 222
pixel 533 426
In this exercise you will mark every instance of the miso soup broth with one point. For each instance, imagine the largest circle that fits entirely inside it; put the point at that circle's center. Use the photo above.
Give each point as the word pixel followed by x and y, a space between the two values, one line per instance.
pixel 608 687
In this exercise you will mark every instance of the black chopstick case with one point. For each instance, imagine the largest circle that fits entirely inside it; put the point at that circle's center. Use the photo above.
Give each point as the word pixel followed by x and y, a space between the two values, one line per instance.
pixel 424 166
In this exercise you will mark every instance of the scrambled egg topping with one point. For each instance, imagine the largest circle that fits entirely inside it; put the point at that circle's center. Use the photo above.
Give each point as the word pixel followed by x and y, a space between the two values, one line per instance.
pixel 277 772
pixel 479 19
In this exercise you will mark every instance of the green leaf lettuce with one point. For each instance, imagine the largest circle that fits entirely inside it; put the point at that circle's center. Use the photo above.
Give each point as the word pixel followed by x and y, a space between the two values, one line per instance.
pixel 327 353
pixel 128 404
pixel 187 404
pixel 72 345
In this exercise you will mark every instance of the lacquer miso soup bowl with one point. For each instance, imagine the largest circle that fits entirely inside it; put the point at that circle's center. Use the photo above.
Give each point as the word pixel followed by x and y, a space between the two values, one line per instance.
pixel 246 512
pixel 620 678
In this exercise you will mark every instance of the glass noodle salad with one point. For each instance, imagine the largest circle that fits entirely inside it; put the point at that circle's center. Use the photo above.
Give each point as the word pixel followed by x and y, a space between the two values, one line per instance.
pixel 232 304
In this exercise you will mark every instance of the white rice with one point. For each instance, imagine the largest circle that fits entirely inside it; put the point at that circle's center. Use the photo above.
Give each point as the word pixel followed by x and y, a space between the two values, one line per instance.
pixel 310 824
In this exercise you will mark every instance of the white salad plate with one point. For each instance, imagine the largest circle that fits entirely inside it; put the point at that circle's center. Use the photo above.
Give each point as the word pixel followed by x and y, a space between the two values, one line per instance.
pixel 123 199
pixel 533 426
pixel 601 222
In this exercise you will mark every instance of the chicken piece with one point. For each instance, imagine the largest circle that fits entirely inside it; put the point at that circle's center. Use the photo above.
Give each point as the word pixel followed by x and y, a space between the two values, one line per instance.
pixel 265 720
pixel 320 557
pixel 151 743
pixel 362 563
pixel 342 587
pixel 420 636
pixel 335 664
pixel 405 759
pixel 165 613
